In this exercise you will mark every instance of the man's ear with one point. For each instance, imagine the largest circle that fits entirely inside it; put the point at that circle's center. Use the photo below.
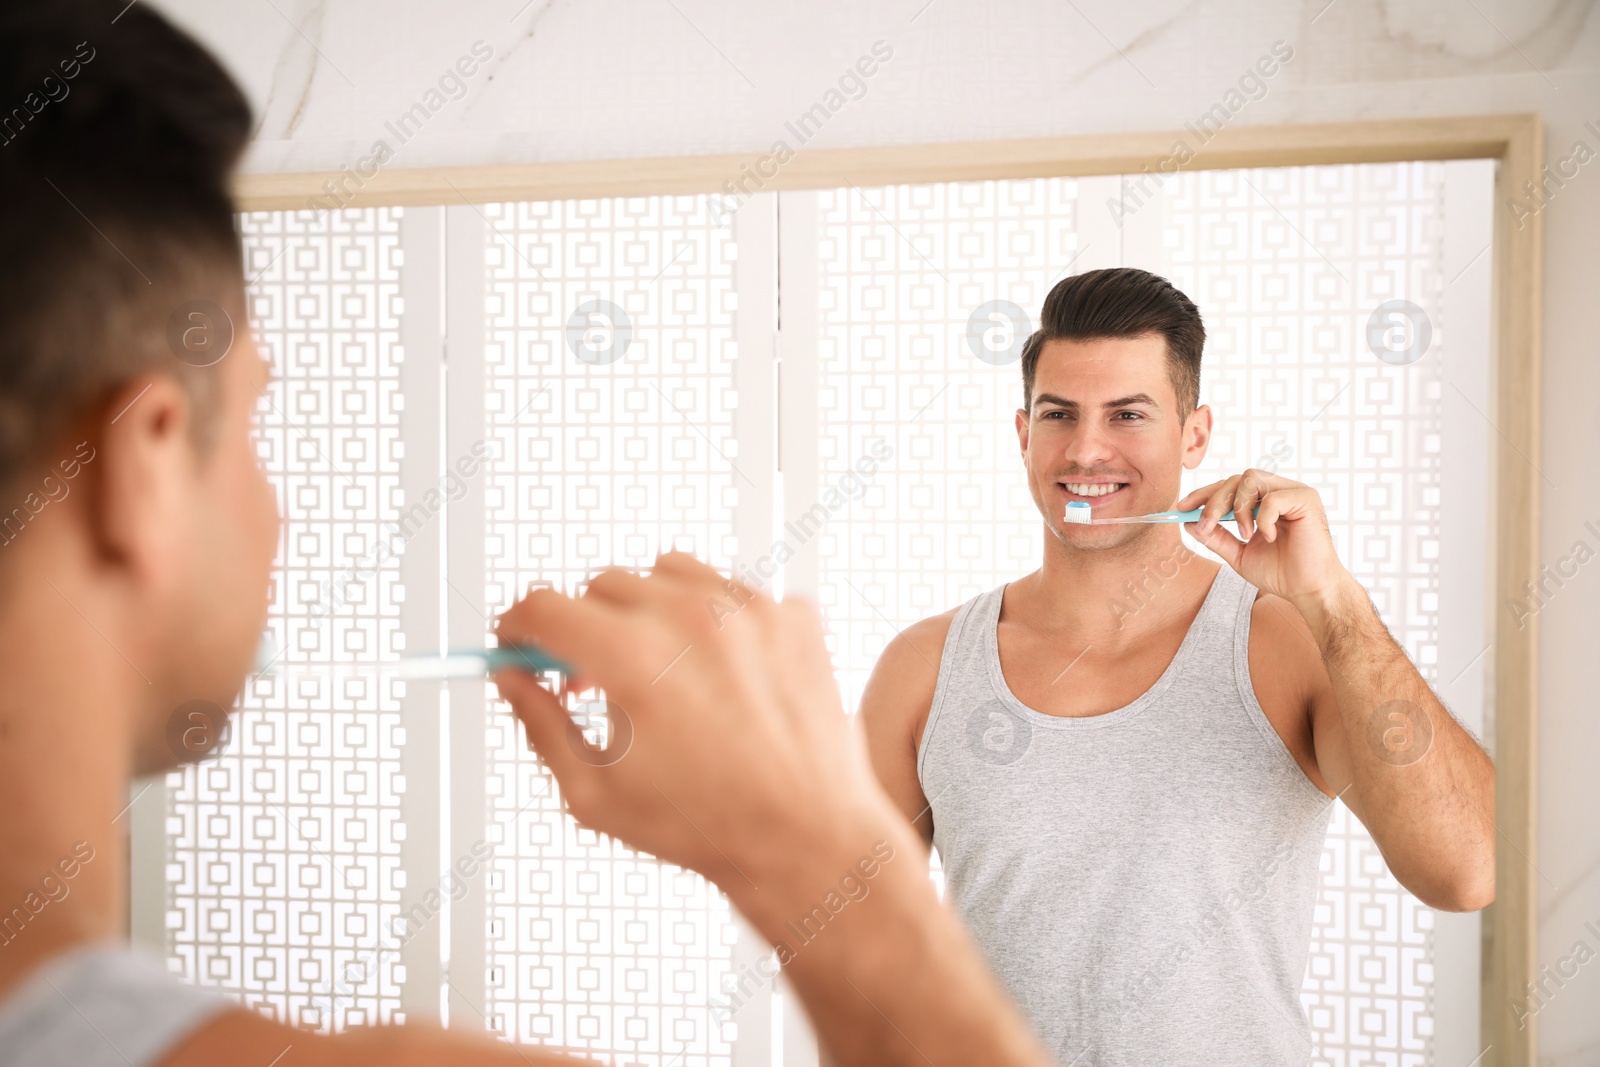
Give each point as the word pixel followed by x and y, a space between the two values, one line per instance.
pixel 1022 429
pixel 142 478
pixel 1196 437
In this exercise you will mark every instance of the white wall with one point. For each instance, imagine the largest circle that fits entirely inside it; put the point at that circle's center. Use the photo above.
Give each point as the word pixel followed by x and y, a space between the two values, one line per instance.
pixel 585 79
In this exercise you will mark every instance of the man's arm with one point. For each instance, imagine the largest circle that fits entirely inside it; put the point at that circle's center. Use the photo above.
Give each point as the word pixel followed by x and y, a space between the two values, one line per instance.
pixel 1416 779
pixel 743 766
pixel 894 709
pixel 892 979
pixel 1384 742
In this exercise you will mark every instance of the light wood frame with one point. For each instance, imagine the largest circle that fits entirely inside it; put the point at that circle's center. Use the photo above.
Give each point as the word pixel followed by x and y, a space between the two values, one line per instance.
pixel 1516 141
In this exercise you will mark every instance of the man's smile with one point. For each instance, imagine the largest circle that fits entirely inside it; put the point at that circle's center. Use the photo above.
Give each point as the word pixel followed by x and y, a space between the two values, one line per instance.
pixel 1097 491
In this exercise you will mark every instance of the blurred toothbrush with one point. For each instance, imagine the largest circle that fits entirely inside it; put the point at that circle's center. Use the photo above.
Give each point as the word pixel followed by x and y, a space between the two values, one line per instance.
pixel 455 664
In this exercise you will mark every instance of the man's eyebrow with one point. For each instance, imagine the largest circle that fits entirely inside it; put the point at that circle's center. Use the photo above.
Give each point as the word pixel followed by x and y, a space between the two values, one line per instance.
pixel 1131 400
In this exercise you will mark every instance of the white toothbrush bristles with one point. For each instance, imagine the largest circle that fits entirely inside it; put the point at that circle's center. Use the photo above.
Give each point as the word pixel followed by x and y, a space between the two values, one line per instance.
pixel 1078 511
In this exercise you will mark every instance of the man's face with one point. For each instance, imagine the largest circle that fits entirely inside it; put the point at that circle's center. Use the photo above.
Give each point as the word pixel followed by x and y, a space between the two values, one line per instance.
pixel 230 538
pixel 1105 429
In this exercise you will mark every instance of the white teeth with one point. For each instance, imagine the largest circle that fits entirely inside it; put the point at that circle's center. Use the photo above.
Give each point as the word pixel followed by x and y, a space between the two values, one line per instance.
pixel 1092 488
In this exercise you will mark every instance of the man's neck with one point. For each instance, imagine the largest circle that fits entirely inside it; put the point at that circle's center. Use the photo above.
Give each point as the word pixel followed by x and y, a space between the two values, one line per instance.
pixel 1101 595
pixel 64 771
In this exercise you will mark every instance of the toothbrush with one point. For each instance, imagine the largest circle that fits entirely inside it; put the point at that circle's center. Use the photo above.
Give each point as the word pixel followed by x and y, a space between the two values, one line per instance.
pixel 1078 512
pixel 455 664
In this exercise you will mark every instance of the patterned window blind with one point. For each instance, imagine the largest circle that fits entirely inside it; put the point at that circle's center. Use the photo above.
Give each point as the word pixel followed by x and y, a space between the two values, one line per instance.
pixel 282 851
pixel 610 395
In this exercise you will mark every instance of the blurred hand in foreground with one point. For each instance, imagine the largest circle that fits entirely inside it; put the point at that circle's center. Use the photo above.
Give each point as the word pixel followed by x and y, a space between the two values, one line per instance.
pixel 731 756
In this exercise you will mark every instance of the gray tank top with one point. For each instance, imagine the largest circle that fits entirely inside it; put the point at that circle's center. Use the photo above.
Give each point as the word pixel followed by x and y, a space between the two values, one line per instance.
pixel 1141 881
pixel 102 1005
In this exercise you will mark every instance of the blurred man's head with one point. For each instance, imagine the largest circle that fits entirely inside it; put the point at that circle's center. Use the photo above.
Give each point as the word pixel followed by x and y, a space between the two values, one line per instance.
pixel 1111 415
pixel 124 338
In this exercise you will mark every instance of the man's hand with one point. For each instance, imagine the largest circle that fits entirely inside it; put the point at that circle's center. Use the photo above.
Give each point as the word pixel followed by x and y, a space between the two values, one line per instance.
pixel 1428 803
pixel 1293 557
pixel 739 754
pixel 741 764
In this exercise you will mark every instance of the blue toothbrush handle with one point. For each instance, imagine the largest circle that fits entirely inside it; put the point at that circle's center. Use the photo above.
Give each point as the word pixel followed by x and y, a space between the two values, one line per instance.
pixel 1193 515
pixel 524 657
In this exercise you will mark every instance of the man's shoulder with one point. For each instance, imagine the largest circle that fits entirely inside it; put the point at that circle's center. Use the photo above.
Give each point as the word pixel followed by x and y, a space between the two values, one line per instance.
pixel 899 694
pixel 934 629
pixel 102 1002
pixel 917 649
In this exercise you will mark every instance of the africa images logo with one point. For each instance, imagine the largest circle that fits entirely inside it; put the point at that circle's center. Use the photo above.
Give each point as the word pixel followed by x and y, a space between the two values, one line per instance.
pixel 997 735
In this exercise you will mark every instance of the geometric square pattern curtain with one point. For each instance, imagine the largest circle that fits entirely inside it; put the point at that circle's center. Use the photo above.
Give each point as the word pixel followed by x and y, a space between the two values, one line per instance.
pixel 283 851
pixel 610 381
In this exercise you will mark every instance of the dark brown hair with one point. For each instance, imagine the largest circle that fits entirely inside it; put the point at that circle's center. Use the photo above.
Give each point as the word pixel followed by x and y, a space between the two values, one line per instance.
pixel 116 144
pixel 1122 302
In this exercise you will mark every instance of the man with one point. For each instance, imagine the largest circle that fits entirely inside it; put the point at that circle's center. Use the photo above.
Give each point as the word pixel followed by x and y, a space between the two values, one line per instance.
pixel 1125 758
pixel 135 572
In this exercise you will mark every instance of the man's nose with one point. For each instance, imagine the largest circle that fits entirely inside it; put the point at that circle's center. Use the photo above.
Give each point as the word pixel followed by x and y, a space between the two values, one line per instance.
pixel 1088 446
